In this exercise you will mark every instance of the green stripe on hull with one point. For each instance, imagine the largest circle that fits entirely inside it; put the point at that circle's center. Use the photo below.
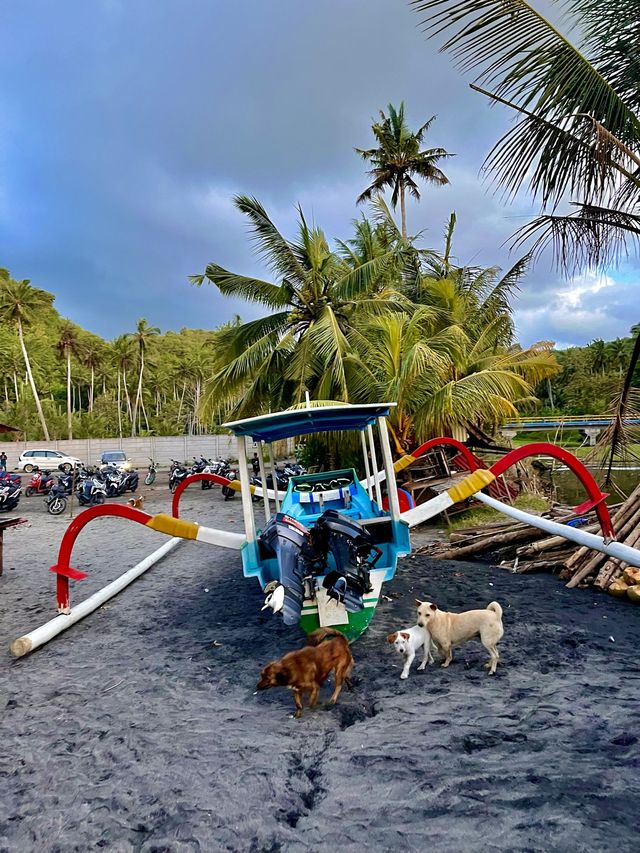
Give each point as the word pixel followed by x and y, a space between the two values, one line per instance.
pixel 358 623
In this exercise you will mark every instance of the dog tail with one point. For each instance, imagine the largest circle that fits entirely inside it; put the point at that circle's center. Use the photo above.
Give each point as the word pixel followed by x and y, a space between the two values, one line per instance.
pixel 322 634
pixel 495 607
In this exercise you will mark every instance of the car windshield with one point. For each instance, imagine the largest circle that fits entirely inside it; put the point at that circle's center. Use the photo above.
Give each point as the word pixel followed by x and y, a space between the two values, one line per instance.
pixel 114 456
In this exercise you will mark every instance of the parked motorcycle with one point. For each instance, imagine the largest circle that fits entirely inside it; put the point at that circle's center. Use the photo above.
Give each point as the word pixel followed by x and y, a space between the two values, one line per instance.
pixel 150 479
pixel 227 492
pixel 10 492
pixel 91 491
pixel 220 467
pixel 56 500
pixel 177 474
pixel 40 483
pixel 130 481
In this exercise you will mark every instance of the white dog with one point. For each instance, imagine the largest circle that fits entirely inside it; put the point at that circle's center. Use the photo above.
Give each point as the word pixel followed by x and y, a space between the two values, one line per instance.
pixel 408 642
pixel 452 629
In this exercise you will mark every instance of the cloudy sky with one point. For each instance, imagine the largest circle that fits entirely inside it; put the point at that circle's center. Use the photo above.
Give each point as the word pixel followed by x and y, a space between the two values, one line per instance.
pixel 127 125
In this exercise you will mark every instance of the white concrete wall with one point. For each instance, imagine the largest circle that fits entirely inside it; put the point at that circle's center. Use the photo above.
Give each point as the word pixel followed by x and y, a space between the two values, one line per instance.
pixel 160 448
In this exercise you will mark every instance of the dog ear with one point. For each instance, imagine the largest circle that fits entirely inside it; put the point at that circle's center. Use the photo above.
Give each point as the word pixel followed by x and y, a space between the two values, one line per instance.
pixel 418 602
pixel 392 637
pixel 434 607
pixel 282 677
pixel 405 634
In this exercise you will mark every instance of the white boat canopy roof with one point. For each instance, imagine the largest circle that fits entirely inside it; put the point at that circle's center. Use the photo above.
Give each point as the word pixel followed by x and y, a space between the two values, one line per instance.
pixel 279 425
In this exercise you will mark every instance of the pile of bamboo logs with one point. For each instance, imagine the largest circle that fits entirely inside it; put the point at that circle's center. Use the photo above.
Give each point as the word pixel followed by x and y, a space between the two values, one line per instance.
pixel 522 548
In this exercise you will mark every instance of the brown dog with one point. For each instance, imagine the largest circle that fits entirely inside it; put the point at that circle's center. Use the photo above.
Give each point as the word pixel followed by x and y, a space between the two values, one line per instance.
pixel 306 670
pixel 138 503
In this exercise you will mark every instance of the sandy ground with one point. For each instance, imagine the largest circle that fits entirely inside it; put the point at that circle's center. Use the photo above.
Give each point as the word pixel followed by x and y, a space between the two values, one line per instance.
pixel 133 732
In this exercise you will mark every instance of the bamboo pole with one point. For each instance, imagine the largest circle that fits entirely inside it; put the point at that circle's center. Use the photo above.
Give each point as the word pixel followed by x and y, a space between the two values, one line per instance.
pixel 31 641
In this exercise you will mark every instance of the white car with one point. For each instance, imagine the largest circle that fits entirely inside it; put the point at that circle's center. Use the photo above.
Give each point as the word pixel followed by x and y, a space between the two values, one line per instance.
pixel 48 460
pixel 115 458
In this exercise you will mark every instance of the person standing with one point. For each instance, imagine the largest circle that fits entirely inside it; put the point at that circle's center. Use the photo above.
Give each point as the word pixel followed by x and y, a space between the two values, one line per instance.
pixel 3 461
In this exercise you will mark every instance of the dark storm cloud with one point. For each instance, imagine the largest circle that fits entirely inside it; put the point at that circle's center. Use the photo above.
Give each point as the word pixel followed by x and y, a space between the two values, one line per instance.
pixel 127 126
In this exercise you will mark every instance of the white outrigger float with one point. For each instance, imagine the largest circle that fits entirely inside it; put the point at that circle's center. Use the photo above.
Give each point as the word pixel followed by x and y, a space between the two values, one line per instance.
pixel 323 553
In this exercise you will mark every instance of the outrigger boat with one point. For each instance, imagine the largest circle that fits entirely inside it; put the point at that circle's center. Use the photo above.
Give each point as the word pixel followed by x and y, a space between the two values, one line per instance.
pixel 322 558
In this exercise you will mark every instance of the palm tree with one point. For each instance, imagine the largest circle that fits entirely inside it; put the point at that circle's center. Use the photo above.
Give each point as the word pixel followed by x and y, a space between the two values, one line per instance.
pixel 92 357
pixel 67 345
pixel 398 160
pixel 300 346
pixel 618 355
pixel 448 375
pixel 122 355
pixel 19 302
pixel 142 336
pixel 579 132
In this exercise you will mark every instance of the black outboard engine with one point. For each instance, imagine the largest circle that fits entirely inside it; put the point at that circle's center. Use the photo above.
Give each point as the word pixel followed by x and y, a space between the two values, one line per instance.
pixel 354 555
pixel 285 537
pixel 303 556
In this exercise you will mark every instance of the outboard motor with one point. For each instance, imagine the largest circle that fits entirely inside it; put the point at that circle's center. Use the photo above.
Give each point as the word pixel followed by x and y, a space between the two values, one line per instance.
pixel 354 555
pixel 303 556
pixel 285 537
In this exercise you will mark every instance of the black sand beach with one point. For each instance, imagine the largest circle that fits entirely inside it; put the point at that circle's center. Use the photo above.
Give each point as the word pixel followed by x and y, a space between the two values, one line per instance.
pixel 133 732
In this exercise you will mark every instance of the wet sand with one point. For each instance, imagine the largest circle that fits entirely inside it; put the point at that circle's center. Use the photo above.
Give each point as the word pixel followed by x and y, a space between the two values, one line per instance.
pixel 133 732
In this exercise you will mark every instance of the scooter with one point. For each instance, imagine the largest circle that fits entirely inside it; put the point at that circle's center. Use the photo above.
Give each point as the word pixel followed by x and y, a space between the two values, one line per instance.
pixel 151 474
pixel 56 500
pixel 91 491
pixel 227 492
pixel 40 483
pixel 10 493
pixel 177 474
pixel 130 481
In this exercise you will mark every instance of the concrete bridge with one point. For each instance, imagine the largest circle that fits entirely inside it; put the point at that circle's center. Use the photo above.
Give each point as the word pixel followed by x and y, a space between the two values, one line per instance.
pixel 589 425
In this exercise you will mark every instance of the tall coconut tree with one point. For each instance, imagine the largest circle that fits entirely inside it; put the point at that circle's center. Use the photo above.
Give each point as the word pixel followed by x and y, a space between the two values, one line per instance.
pixel 578 133
pixel 68 344
pixel 123 359
pixel 19 303
pixel 142 337
pixel 92 357
pixel 398 160
pixel 300 345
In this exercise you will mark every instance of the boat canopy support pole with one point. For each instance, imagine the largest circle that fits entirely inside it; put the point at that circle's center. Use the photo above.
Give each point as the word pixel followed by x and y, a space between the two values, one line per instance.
pixel 367 468
pixel 392 491
pixel 263 480
pixel 276 496
pixel 245 492
pixel 374 465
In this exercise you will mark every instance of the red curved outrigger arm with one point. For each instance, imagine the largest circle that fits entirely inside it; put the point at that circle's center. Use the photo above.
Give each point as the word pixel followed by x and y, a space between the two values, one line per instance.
pixel 63 568
pixel 452 442
pixel 194 478
pixel 596 496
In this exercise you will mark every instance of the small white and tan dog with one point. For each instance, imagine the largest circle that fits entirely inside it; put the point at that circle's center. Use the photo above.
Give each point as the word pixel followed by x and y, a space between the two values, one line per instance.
pixel 452 629
pixel 409 641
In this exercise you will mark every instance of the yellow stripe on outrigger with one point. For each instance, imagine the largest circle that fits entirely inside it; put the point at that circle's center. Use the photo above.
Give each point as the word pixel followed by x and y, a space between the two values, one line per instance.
pixel 236 486
pixel 173 526
pixel 471 484
pixel 403 462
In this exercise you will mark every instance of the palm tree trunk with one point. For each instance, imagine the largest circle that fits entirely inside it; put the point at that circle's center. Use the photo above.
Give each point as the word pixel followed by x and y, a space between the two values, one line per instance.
pixel 27 364
pixel 138 394
pixel 403 211
pixel 92 387
pixel 622 407
pixel 15 385
pixel 69 417
pixel 119 407
pixel 126 392
pixel 6 391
